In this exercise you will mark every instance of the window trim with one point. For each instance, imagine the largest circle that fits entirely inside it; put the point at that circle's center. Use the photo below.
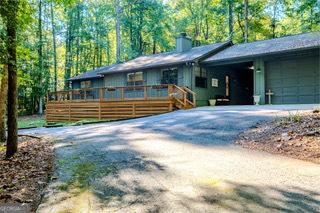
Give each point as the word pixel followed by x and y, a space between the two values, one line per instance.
pixel 202 75
pixel 135 82
pixel 87 84
pixel 169 69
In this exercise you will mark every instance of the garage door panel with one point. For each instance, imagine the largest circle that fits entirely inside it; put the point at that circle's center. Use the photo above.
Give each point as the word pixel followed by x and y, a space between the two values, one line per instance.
pixel 277 99
pixel 306 99
pixel 293 80
pixel 306 90
pixel 290 82
pixel 290 99
pixel 307 80
pixel 290 90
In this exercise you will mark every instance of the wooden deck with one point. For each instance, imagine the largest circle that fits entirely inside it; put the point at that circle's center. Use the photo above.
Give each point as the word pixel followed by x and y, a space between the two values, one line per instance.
pixel 117 102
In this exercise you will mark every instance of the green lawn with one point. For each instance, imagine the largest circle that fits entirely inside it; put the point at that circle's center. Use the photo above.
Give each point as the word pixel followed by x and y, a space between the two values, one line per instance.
pixel 37 121
pixel 31 121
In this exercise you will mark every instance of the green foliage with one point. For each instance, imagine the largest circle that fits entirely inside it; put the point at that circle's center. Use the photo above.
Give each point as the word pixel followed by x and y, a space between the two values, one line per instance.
pixel 294 117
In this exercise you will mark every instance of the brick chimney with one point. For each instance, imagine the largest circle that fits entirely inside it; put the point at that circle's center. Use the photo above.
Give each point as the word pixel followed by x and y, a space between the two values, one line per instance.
pixel 183 43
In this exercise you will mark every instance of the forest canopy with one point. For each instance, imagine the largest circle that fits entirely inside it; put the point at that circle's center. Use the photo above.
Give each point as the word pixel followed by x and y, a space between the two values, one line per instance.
pixel 59 39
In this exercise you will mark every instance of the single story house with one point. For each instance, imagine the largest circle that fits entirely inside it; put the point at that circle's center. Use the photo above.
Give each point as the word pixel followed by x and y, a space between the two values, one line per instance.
pixel 280 71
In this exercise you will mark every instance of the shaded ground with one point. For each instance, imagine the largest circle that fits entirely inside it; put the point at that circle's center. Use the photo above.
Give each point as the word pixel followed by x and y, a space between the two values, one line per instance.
pixel 297 135
pixel 24 176
pixel 183 161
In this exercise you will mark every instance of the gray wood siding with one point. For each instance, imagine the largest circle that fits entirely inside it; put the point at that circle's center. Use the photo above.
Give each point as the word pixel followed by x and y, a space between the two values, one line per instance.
pixel 95 83
pixel 294 80
pixel 115 80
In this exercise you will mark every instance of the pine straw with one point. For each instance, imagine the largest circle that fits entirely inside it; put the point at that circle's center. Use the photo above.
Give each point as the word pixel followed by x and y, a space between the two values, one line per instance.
pixel 24 176
pixel 298 137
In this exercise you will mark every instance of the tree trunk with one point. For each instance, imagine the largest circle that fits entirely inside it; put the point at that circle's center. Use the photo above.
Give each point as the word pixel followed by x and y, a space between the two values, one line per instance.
pixel 40 55
pixel 69 38
pixel 246 24
pixel 12 145
pixel 3 100
pixel 55 83
pixel 154 46
pixel 274 18
pixel 118 32
pixel 230 18
pixel 78 40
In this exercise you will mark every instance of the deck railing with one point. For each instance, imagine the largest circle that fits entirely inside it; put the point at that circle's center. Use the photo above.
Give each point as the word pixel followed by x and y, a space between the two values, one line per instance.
pixel 113 93
pixel 117 102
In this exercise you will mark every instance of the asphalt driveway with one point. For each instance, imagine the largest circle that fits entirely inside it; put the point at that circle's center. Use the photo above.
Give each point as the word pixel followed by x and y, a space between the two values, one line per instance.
pixel 182 161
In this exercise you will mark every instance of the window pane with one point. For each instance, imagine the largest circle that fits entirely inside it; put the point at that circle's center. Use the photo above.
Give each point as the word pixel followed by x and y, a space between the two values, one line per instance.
pixel 201 82
pixel 170 76
pixel 138 76
pixel 130 77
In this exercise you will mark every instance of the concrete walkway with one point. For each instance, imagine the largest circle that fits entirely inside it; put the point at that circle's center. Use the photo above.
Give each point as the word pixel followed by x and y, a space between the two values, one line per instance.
pixel 177 162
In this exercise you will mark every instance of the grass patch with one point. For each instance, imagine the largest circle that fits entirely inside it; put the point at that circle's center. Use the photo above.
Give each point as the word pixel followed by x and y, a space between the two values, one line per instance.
pixel 31 122
pixel 36 121
pixel 83 174
pixel 294 117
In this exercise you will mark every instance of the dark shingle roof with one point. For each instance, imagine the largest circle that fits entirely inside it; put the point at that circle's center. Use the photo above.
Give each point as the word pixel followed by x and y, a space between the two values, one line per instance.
pixel 91 74
pixel 267 47
pixel 164 59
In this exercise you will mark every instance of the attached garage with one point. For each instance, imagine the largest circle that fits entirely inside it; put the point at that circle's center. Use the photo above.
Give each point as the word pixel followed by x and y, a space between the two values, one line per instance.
pixel 293 80
pixel 286 68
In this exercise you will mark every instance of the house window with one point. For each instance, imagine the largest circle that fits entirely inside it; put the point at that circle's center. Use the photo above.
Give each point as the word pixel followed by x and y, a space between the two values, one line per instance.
pixel 85 84
pixel 201 77
pixel 170 76
pixel 135 79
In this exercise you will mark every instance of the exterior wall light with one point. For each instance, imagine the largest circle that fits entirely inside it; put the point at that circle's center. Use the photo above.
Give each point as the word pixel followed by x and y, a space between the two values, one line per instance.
pixel 258 70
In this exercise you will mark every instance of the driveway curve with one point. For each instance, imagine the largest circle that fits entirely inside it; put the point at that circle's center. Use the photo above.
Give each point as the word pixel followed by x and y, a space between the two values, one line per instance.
pixel 183 161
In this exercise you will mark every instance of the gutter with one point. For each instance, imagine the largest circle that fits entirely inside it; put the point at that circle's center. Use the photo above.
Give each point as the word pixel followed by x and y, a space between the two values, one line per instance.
pixel 252 57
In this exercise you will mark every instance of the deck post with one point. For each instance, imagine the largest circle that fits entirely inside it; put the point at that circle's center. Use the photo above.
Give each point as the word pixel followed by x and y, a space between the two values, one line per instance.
pixel 145 93
pixel 85 94
pixel 69 111
pixel 133 110
pixel 122 93
pixel 101 98
pixel 170 90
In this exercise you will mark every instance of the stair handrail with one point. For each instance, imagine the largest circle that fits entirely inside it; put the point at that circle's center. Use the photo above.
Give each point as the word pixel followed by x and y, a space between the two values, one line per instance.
pixel 193 102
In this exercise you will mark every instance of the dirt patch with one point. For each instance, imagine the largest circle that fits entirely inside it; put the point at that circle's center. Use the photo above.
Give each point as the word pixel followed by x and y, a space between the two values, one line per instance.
pixel 296 136
pixel 24 176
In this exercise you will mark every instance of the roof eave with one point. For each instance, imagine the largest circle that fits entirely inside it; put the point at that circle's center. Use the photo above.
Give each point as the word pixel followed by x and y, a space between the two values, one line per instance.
pixel 80 79
pixel 147 67
pixel 259 55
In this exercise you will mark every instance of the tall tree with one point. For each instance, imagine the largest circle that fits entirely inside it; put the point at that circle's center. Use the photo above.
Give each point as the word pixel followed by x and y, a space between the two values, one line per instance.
pixel 69 40
pixel 55 72
pixel 40 56
pixel 118 31
pixel 11 9
pixel 246 20
pixel 230 18
pixel 3 101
